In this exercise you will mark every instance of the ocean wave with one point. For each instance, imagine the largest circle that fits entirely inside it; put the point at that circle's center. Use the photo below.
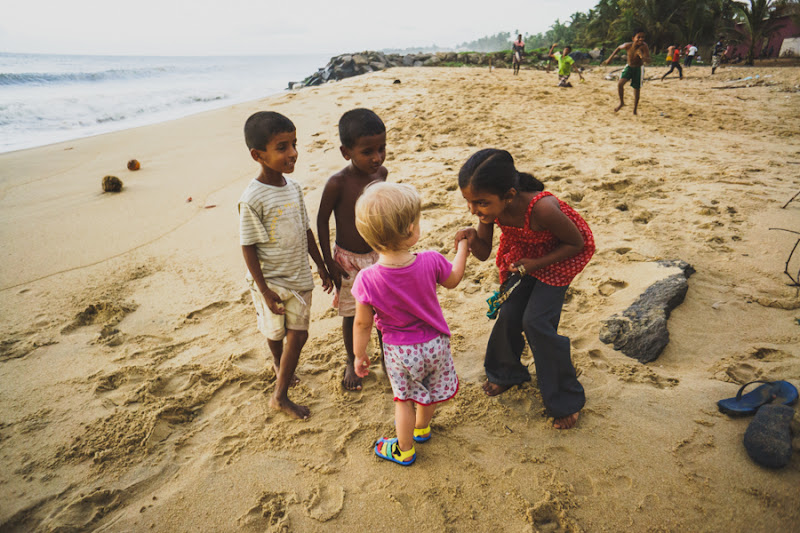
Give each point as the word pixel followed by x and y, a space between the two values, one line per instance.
pixel 51 78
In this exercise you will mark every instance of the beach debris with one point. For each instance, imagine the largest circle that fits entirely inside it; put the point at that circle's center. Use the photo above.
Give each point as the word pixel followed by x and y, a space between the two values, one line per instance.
pixel 112 184
pixel 209 206
pixel 188 199
pixel 133 164
pixel 790 199
pixel 641 331
pixel 795 279
pixel 395 82
pixel 768 438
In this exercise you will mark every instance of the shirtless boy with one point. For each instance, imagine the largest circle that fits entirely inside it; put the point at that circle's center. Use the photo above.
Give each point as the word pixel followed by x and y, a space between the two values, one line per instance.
pixel 363 137
pixel 638 55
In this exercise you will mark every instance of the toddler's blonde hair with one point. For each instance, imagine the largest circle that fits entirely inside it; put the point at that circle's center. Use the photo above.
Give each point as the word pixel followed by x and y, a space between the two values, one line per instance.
pixel 385 212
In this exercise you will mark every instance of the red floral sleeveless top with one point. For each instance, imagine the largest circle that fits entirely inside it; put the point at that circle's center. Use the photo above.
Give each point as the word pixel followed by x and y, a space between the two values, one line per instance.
pixel 520 243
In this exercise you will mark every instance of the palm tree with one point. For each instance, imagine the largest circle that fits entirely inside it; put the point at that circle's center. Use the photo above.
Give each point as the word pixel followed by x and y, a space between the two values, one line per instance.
pixel 698 21
pixel 759 20
pixel 660 20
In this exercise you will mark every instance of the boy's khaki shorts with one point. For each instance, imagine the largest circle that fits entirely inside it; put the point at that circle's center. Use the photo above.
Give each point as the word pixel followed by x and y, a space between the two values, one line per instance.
pixel 298 311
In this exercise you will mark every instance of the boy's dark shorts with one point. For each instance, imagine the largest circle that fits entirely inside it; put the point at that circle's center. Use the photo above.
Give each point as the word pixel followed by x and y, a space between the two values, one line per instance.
pixel 634 74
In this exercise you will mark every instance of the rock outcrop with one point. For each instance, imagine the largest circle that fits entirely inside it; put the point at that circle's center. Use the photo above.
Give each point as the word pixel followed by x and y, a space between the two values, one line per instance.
pixel 348 65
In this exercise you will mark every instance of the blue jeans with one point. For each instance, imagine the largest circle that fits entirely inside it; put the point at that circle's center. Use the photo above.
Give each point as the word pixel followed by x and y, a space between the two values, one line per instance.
pixel 535 309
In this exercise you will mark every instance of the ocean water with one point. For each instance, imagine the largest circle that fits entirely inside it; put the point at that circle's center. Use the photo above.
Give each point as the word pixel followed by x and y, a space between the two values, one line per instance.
pixel 51 98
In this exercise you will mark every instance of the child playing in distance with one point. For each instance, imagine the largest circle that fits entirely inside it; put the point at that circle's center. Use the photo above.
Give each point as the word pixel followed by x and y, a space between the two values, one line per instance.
pixel 548 244
pixel 638 55
pixel 564 65
pixel 363 137
pixel 276 240
pixel 399 294
pixel 674 61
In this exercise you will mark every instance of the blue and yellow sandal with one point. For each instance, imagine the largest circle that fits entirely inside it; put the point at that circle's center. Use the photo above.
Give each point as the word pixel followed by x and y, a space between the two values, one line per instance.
pixel 422 435
pixel 389 449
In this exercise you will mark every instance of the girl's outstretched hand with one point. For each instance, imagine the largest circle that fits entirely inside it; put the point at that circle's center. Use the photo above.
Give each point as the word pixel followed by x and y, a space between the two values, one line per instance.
pixel 465 234
pixel 361 365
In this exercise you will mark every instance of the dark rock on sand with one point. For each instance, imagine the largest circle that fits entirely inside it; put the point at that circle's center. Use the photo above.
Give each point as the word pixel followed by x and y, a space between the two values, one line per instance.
pixel 641 331
pixel 768 439
pixel 111 184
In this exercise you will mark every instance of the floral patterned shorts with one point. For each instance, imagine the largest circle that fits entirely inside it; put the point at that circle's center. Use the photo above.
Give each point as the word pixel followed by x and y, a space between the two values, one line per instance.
pixel 423 373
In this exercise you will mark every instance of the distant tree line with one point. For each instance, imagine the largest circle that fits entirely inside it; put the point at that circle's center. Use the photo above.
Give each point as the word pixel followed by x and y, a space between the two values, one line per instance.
pixel 667 22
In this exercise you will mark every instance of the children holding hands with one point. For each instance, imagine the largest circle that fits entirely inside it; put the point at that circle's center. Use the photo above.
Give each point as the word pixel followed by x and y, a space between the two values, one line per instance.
pixel 276 241
pixel 547 243
pixel 398 293
pixel 381 282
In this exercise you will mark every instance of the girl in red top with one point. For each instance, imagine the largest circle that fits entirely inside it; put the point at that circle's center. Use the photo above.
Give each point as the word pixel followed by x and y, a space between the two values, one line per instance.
pixel 548 244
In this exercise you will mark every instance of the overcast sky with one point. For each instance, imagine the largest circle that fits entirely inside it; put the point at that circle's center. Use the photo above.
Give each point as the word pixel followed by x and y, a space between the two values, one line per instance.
pixel 209 27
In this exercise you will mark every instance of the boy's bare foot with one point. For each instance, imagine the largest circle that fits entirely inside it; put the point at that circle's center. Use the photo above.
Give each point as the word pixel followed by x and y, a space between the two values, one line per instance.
pixel 567 422
pixel 351 381
pixel 493 389
pixel 295 380
pixel 618 107
pixel 300 412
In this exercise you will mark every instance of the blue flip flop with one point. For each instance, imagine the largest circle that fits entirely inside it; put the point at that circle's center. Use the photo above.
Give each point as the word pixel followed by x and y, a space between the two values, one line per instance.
pixel 775 392
pixel 391 452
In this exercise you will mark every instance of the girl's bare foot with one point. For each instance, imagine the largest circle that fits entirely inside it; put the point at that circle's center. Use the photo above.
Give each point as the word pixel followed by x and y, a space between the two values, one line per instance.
pixel 493 389
pixel 351 381
pixel 300 412
pixel 566 422
pixel 619 107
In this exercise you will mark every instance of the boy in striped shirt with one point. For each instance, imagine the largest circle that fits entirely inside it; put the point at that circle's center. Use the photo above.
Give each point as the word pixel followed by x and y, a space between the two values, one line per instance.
pixel 276 241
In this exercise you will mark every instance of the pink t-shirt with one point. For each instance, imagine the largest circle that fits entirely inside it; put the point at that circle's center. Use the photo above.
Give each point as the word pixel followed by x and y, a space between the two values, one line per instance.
pixel 407 310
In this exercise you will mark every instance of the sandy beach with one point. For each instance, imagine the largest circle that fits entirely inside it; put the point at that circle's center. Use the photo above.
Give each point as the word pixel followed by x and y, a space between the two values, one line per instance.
pixel 134 383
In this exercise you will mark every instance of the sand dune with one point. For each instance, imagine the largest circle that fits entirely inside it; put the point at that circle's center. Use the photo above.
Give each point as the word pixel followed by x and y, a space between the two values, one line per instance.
pixel 133 381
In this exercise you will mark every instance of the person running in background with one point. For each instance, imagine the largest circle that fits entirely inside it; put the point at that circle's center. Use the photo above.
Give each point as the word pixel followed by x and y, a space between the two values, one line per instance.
pixel 638 55
pixel 675 64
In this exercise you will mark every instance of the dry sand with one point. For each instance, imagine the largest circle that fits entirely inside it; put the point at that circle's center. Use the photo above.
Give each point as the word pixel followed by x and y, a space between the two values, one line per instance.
pixel 134 384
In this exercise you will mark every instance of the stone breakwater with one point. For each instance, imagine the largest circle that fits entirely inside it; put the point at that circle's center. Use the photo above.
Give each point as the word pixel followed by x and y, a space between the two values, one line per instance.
pixel 348 65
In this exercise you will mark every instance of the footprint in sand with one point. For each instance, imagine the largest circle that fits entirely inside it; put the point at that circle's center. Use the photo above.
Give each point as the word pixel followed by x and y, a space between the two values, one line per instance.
pixel 107 313
pixel 609 287
pixel 81 513
pixel 269 514
pixel 761 362
pixel 249 362
pixel 324 503
pixel 210 309
pixel 550 514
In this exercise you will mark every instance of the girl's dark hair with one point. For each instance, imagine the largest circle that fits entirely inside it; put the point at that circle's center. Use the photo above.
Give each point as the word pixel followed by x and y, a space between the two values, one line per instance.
pixel 492 170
